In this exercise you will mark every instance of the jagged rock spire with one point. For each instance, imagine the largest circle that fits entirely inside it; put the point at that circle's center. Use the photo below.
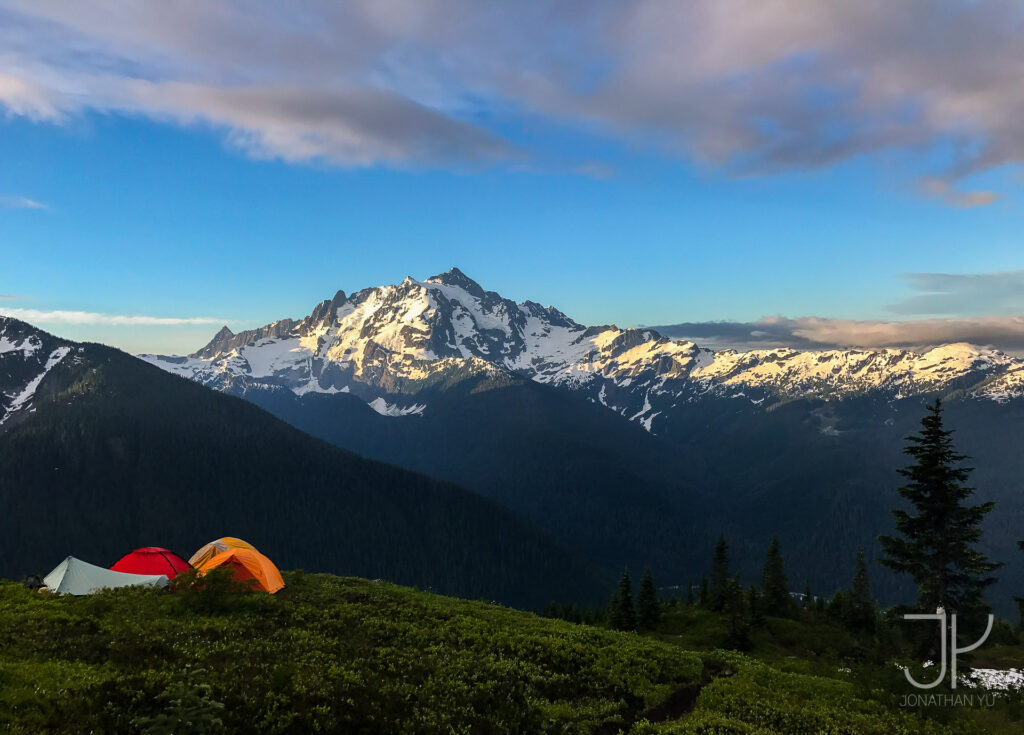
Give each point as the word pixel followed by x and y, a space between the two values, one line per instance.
pixel 455 277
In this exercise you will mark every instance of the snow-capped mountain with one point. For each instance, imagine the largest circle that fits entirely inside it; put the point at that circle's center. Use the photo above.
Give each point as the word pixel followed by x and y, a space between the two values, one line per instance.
pixel 387 344
pixel 26 357
pixel 672 444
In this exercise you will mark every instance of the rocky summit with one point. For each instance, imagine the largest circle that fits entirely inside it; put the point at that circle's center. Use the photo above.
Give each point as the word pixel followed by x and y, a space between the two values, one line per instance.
pixel 386 344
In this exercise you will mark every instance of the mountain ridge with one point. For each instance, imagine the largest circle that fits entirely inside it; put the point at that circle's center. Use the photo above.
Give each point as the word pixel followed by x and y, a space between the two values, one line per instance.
pixel 382 343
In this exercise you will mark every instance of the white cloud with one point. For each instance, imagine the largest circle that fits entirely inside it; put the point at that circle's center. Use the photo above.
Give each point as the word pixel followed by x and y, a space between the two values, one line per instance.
pixel 295 85
pixel 20 202
pixel 752 86
pixel 24 98
pixel 90 317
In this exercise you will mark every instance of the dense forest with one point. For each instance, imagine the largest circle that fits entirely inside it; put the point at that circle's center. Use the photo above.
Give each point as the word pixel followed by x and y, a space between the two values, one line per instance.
pixel 617 495
pixel 599 485
pixel 118 454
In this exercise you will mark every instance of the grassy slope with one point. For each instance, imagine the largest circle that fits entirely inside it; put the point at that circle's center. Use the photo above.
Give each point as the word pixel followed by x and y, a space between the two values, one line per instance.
pixel 824 648
pixel 345 655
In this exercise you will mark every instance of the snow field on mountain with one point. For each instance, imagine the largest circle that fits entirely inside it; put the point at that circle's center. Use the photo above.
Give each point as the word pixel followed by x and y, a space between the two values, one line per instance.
pixel 413 330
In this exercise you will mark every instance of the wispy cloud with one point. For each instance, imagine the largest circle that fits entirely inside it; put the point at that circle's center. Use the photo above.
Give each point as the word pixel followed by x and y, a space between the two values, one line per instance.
pixel 752 88
pixel 20 202
pixel 816 332
pixel 90 317
pixel 963 293
pixel 947 192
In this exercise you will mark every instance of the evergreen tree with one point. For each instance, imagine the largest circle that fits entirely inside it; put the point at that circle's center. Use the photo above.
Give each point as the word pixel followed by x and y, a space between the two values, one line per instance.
pixel 621 615
pixel 721 579
pixel 737 615
pixel 755 606
pixel 689 594
pixel 936 547
pixel 839 607
pixel 703 595
pixel 648 611
pixel 808 597
pixel 863 613
pixel 774 586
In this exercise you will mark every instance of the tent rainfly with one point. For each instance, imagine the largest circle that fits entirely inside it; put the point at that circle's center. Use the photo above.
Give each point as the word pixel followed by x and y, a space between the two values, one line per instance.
pixel 151 560
pixel 218 546
pixel 247 564
pixel 76 577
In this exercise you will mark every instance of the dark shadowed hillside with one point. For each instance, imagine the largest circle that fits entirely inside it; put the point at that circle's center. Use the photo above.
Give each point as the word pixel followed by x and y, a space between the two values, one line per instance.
pixel 600 485
pixel 115 454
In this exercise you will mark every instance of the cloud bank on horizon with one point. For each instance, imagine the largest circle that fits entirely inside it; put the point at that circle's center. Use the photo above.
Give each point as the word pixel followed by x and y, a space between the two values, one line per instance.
pixel 937 297
pixel 749 87
pixel 64 316
pixel 815 333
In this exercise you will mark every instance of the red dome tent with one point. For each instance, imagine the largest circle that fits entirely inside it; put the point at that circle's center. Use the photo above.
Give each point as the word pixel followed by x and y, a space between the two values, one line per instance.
pixel 151 560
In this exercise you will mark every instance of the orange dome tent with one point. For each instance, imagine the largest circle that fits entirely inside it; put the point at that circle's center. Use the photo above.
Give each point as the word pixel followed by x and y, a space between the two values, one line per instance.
pixel 247 564
pixel 217 547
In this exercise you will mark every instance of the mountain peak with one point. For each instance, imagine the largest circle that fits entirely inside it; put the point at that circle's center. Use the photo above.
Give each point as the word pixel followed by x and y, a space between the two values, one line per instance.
pixel 378 338
pixel 218 344
pixel 327 310
pixel 455 277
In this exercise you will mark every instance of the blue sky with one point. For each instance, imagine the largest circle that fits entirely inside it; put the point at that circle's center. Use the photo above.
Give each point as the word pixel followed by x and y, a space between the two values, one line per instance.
pixel 200 200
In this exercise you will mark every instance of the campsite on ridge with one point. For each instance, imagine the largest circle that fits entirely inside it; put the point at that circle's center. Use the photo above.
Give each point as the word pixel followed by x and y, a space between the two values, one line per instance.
pixel 432 367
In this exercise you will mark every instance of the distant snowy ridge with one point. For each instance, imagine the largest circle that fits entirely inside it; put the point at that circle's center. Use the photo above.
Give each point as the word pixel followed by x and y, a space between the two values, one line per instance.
pixel 384 344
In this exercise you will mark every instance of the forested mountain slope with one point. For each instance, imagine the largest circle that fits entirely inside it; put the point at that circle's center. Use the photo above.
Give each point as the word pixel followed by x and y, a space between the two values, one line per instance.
pixel 112 454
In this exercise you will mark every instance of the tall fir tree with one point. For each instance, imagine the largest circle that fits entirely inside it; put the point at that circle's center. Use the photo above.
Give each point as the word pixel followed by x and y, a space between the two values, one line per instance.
pixel 755 605
pixel 937 544
pixel 738 616
pixel 863 612
pixel 721 579
pixel 774 585
pixel 621 614
pixel 648 610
